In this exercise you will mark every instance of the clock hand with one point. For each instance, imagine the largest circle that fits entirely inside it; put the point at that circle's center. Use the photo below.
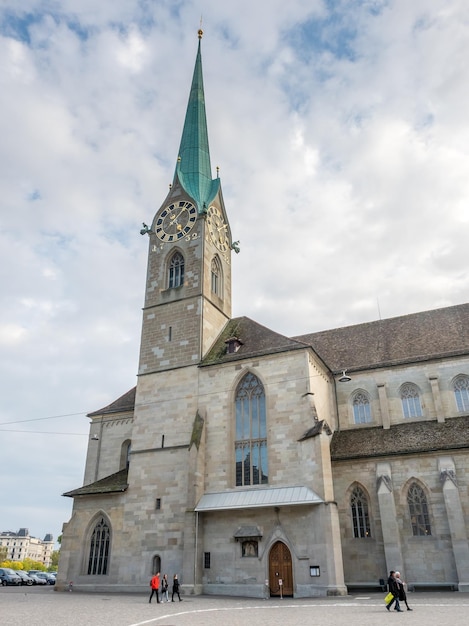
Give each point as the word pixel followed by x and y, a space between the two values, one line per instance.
pixel 175 219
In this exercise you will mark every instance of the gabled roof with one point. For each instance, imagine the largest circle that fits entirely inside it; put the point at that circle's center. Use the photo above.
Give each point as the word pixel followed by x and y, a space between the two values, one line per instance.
pixel 409 438
pixel 125 403
pixel 114 483
pixel 408 338
pixel 254 339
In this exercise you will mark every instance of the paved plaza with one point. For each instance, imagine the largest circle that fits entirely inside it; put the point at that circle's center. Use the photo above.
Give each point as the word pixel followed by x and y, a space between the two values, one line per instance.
pixel 45 607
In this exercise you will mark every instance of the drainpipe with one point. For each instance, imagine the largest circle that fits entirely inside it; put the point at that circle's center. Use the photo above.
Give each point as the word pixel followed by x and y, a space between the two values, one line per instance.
pixel 196 546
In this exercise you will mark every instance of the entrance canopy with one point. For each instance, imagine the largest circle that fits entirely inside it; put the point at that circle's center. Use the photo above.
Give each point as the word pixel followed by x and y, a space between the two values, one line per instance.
pixel 257 498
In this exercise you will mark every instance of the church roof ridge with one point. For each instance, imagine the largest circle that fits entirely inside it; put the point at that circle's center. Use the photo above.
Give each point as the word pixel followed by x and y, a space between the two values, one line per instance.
pixel 413 337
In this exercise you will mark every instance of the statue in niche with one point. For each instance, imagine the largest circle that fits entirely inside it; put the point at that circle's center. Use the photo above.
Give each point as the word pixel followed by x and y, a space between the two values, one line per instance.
pixel 249 548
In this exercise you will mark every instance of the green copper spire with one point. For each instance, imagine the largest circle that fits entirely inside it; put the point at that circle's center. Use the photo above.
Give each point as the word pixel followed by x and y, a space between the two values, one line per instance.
pixel 193 168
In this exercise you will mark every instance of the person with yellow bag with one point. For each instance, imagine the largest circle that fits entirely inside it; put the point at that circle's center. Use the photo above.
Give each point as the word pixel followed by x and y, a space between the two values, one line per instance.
pixel 393 588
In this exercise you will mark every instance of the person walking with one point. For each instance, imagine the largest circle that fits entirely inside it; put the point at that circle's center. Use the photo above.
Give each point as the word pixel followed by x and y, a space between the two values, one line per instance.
pixel 402 591
pixel 164 588
pixel 176 588
pixel 393 588
pixel 155 585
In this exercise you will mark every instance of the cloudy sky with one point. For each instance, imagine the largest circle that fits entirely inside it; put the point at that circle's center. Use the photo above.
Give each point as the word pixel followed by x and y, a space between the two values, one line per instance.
pixel 341 128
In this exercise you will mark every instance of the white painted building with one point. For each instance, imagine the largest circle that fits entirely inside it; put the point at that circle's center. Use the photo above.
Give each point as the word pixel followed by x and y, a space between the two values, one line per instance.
pixel 22 545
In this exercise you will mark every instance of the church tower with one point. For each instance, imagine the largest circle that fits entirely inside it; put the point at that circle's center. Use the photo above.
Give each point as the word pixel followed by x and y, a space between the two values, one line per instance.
pixel 187 304
pixel 188 288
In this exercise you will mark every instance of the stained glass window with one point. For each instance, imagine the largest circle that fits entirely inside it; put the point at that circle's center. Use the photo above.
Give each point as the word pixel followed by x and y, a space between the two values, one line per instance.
pixel 410 398
pixel 360 517
pixel 99 548
pixel 461 393
pixel 251 433
pixel 361 408
pixel 418 510
pixel 176 270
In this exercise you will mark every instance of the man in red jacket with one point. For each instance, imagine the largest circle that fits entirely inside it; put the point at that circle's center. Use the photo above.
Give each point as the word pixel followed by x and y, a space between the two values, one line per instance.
pixel 155 585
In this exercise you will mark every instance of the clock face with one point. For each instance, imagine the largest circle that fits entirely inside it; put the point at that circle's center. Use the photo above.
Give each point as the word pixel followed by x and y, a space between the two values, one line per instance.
pixel 175 221
pixel 217 228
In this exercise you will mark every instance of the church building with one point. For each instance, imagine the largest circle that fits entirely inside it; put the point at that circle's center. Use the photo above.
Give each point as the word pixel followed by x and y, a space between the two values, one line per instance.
pixel 254 464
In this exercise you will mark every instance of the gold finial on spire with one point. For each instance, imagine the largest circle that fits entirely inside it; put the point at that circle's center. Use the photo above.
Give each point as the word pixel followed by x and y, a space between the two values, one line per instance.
pixel 218 171
pixel 200 32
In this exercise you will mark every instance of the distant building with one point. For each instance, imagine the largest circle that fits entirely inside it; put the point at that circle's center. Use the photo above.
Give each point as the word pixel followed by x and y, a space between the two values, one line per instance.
pixel 22 545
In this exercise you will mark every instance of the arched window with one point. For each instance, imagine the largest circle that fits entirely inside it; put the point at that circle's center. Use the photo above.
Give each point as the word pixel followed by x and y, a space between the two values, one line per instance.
pixel 216 277
pixel 251 433
pixel 410 398
pixel 360 517
pixel 418 510
pixel 176 270
pixel 461 393
pixel 361 407
pixel 156 564
pixel 125 454
pixel 99 554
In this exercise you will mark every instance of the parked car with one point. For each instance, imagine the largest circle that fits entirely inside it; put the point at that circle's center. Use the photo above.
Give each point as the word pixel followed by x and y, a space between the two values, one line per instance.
pixel 50 580
pixel 25 577
pixel 9 577
pixel 37 580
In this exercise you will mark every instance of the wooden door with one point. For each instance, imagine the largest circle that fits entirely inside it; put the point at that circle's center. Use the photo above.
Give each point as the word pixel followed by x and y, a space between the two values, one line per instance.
pixel 280 568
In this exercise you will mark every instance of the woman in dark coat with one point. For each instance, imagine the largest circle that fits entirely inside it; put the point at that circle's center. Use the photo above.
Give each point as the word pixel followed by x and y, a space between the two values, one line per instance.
pixel 176 588
pixel 393 587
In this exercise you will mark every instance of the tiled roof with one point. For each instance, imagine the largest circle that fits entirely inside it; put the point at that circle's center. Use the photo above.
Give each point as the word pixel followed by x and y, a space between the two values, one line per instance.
pixel 409 438
pixel 409 338
pixel 122 404
pixel 114 483
pixel 255 339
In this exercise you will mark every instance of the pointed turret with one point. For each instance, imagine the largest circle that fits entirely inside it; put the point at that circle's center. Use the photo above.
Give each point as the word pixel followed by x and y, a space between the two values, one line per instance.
pixel 193 168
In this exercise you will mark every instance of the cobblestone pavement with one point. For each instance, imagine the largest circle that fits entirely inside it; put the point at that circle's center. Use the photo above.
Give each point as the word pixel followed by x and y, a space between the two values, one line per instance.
pixel 44 607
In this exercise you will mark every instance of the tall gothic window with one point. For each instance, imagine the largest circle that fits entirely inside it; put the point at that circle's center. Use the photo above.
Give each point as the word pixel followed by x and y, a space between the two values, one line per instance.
pixel 418 510
pixel 410 398
pixel 251 433
pixel 461 393
pixel 176 270
pixel 98 560
pixel 361 407
pixel 360 517
pixel 216 277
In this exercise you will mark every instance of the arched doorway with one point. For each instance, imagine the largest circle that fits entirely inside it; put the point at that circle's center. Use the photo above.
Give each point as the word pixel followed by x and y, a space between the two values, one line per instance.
pixel 280 568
